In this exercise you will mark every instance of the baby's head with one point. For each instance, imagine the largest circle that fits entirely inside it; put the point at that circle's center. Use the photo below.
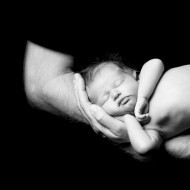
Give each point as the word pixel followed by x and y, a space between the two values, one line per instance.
pixel 112 85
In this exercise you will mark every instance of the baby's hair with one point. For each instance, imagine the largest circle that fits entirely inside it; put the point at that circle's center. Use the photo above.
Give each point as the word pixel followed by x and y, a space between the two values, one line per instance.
pixel 91 71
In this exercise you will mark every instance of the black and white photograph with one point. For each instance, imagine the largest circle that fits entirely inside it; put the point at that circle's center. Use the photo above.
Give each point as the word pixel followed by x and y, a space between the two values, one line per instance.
pixel 102 99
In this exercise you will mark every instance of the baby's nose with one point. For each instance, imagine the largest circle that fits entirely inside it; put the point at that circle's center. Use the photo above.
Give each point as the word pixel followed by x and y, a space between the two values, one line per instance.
pixel 115 95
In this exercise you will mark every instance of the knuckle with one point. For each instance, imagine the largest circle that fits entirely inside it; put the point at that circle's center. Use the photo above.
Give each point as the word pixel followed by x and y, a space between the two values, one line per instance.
pixel 95 127
pixel 119 131
pixel 99 117
pixel 117 139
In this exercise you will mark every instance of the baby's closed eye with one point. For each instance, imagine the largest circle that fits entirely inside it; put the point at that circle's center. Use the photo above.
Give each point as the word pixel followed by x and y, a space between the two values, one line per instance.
pixel 117 83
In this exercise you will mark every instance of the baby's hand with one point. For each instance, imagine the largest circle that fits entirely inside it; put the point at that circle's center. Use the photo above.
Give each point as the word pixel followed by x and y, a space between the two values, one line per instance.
pixel 141 110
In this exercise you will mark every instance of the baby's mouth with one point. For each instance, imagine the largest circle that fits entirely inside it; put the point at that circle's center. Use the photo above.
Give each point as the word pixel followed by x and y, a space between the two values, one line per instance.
pixel 123 101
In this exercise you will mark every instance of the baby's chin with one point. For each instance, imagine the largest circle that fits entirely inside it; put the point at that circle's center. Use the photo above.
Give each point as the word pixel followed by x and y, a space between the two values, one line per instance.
pixel 127 108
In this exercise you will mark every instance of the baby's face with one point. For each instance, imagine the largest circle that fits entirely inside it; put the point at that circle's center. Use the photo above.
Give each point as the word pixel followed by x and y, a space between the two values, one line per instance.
pixel 114 90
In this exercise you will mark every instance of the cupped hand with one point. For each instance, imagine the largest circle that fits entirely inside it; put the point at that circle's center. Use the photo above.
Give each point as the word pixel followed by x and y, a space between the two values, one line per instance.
pixel 112 128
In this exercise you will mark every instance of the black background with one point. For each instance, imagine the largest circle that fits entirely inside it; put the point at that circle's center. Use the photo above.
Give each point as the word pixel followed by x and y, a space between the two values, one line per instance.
pixel 45 146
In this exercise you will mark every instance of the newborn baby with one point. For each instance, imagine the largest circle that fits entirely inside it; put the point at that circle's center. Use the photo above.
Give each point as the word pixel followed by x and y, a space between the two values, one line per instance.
pixel 118 90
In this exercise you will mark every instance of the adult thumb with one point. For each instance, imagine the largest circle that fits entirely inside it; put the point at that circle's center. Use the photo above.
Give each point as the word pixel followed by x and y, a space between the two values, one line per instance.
pixel 96 112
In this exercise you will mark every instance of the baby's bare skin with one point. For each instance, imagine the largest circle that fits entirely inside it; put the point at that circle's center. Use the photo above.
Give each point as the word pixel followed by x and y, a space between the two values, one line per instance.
pixel 170 104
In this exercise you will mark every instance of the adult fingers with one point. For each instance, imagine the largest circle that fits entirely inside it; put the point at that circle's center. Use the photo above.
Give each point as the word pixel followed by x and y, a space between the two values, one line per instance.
pixel 84 105
pixel 115 126
pixel 82 97
pixel 100 121
pixel 81 90
pixel 78 100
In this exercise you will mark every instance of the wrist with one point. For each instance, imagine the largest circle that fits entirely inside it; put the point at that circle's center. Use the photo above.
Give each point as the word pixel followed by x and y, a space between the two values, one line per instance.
pixel 142 97
pixel 128 116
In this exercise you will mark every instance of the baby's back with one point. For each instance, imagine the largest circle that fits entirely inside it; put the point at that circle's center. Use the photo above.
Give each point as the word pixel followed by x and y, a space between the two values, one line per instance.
pixel 170 104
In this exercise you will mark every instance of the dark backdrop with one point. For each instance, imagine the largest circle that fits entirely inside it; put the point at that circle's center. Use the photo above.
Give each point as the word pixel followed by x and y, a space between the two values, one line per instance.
pixel 48 145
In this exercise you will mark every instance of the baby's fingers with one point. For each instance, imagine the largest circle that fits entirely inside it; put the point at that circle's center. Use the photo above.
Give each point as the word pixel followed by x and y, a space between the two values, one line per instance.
pixel 145 115
pixel 142 117
pixel 144 120
pixel 138 113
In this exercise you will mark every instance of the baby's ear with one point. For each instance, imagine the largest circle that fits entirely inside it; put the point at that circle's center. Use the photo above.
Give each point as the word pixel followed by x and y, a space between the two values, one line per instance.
pixel 87 89
pixel 134 74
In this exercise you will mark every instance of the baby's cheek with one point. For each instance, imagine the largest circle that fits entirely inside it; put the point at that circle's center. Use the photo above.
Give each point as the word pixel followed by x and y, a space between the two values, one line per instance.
pixel 110 108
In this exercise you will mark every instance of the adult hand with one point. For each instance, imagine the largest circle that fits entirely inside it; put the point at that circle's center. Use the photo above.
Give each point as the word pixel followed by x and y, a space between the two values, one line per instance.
pixel 101 122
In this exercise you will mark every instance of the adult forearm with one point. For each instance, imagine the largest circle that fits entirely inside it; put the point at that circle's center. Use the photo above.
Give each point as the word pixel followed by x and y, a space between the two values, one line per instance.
pixel 48 80
pixel 179 147
pixel 59 95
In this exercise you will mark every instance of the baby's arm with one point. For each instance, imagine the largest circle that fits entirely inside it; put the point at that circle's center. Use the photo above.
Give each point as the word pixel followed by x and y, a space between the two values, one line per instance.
pixel 142 140
pixel 149 77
